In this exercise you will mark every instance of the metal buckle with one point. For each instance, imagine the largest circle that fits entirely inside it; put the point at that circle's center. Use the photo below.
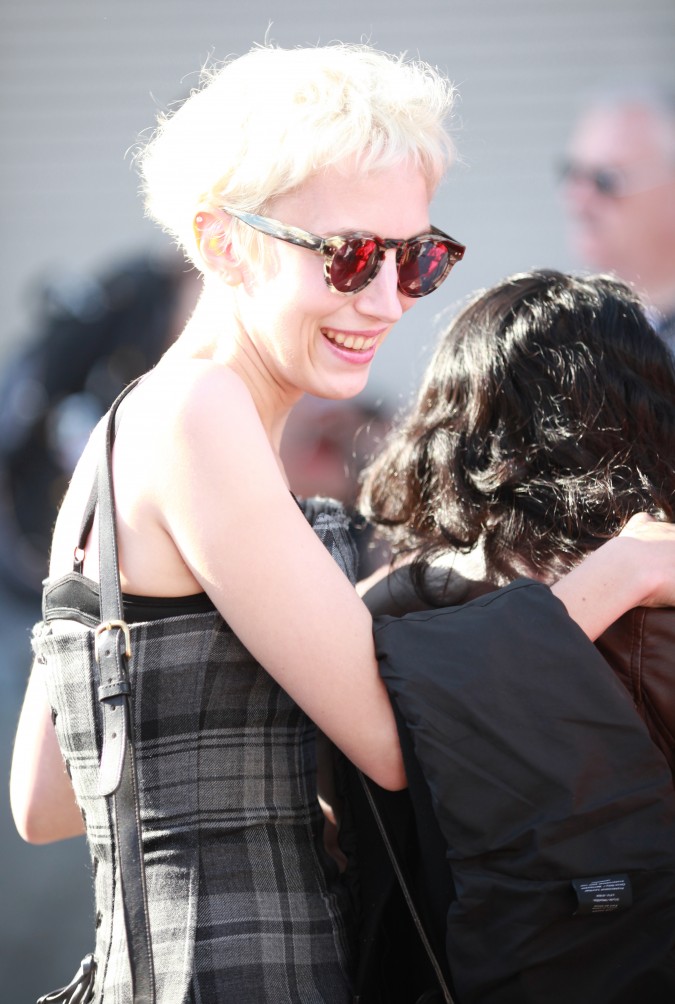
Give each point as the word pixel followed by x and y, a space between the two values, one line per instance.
pixel 108 626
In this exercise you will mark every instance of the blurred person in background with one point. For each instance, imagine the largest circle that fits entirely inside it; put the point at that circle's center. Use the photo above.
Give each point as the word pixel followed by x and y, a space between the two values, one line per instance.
pixel 618 183
pixel 93 334
pixel 325 446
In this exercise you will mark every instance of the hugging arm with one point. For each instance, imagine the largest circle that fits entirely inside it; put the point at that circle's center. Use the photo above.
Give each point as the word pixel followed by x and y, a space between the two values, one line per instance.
pixel 42 797
pixel 636 568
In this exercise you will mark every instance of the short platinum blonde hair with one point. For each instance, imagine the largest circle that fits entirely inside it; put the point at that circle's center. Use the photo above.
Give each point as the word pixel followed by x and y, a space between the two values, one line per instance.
pixel 261 124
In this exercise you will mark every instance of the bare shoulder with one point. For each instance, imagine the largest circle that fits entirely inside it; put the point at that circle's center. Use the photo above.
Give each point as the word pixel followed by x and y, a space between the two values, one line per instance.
pixel 188 391
pixel 179 427
pixel 190 449
pixel 184 411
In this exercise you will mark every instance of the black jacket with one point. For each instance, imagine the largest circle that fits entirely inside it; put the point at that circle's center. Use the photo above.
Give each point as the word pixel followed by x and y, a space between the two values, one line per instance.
pixel 548 867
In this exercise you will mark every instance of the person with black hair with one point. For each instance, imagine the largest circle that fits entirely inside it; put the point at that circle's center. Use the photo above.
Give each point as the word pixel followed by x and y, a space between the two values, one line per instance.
pixel 546 419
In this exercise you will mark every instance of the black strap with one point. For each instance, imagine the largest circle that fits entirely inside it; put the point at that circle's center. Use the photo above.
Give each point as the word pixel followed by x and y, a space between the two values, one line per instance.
pixel 85 528
pixel 443 987
pixel 92 501
pixel 117 778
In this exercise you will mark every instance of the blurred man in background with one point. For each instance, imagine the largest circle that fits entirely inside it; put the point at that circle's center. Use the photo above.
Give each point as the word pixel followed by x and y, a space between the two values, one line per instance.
pixel 619 190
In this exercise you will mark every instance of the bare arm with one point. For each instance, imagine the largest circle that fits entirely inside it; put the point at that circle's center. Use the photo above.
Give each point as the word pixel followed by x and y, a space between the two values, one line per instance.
pixel 245 541
pixel 637 568
pixel 42 798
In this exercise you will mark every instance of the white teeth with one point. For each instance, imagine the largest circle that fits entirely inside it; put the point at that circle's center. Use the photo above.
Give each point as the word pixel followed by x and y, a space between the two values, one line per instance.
pixel 356 342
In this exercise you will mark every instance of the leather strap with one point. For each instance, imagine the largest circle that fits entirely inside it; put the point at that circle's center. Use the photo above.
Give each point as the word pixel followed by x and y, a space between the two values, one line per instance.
pixel 118 779
pixel 442 985
pixel 112 648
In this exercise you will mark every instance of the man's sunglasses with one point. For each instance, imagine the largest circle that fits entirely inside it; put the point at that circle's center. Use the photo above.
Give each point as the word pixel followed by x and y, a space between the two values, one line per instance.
pixel 351 261
pixel 607 181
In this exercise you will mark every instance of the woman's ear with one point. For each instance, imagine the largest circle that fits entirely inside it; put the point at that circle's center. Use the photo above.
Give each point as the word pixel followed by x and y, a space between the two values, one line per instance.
pixel 215 247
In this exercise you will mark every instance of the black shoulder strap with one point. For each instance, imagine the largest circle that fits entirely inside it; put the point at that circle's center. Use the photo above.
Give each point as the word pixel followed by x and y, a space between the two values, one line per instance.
pixel 117 778
pixel 92 501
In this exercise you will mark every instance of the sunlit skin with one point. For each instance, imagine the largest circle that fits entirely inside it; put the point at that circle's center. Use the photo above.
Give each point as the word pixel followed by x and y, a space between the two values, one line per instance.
pixel 632 235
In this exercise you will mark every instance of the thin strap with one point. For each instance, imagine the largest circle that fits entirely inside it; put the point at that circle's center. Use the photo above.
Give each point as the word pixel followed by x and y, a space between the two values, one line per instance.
pixel 447 997
pixel 118 779
pixel 92 501
pixel 85 528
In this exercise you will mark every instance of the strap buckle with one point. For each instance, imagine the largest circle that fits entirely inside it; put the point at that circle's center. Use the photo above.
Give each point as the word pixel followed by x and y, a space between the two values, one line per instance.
pixel 108 626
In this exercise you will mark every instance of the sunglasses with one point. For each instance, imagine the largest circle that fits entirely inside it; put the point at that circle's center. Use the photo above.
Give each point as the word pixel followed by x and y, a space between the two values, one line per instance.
pixel 351 261
pixel 607 181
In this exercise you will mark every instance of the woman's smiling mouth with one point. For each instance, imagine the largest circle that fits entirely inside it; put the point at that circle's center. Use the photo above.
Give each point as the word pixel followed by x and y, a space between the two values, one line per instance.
pixel 356 342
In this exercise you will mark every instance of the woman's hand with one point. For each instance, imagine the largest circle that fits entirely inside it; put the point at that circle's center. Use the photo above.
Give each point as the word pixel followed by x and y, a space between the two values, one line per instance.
pixel 636 568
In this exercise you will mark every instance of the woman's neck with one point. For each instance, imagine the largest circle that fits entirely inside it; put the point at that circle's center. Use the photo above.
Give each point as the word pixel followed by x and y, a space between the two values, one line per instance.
pixel 214 332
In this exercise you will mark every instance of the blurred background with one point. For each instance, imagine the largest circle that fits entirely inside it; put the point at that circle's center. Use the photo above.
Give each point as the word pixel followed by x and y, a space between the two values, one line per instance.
pixel 80 80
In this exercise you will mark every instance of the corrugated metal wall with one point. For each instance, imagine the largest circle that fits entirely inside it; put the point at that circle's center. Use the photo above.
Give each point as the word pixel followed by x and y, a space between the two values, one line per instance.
pixel 81 78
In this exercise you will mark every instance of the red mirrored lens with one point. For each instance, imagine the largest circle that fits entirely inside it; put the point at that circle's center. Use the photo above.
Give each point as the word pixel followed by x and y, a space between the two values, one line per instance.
pixel 422 266
pixel 354 263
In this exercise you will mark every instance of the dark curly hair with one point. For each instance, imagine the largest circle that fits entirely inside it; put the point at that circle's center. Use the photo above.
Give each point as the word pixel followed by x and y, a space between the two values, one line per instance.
pixel 545 420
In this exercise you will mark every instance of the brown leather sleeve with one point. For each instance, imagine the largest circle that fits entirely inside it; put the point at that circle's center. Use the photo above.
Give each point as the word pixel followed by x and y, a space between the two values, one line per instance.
pixel 640 647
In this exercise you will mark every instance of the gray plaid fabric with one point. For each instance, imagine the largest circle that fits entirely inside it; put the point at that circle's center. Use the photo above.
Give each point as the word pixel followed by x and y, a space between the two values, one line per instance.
pixel 244 903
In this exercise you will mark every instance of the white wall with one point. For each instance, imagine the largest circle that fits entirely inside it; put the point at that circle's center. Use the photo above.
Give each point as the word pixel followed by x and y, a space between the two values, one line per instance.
pixel 79 79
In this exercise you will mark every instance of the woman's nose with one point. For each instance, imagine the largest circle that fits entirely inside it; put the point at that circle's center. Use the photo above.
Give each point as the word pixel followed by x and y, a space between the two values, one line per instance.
pixel 382 298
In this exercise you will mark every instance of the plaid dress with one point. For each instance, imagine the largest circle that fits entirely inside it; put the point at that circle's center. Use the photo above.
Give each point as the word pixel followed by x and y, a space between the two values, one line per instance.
pixel 245 905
